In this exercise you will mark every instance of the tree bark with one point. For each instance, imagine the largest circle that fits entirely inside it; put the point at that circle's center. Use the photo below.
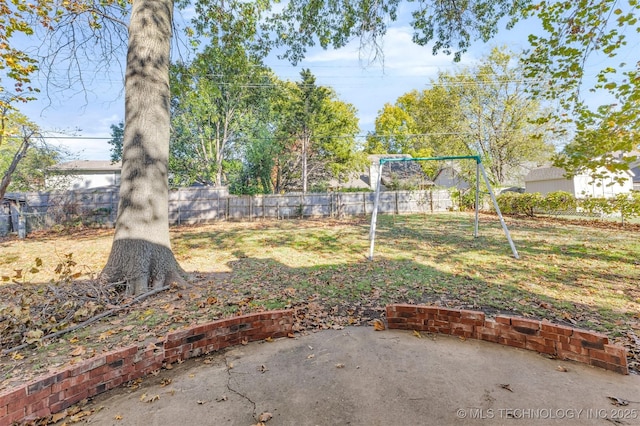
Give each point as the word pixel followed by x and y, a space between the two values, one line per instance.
pixel 141 252
pixel 6 178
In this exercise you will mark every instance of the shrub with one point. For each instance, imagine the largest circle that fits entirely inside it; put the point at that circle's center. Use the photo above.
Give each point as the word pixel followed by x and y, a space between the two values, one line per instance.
pixel 516 203
pixel 558 201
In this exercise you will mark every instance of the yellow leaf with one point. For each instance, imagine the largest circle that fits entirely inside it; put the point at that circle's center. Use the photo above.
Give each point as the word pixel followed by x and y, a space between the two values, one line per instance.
pixel 38 262
pixel 378 325
pixel 417 334
pixel 78 351
pixel 117 417
pixel 269 339
pixel 17 356
pixel 105 335
pixel 74 340
pixel 58 416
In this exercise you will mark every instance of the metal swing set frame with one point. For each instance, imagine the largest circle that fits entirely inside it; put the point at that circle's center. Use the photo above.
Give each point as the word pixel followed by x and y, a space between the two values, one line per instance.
pixel 479 169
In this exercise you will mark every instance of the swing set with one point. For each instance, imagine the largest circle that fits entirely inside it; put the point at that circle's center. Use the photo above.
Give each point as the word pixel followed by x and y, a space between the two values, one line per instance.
pixel 479 169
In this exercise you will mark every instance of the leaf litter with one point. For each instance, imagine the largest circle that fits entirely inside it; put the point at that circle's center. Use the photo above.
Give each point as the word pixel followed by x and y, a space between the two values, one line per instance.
pixel 327 288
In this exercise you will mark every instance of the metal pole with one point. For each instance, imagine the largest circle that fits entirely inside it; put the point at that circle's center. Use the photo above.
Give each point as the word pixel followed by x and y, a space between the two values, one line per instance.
pixel 495 204
pixel 475 230
pixel 374 214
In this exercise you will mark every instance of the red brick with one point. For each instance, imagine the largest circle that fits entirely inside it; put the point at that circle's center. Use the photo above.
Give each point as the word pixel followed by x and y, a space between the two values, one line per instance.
pixel 525 323
pixel 12 394
pixel 489 331
pixel 590 336
pixel 560 338
pixel 516 343
pixel 14 416
pixel 428 310
pixel 488 337
pixel 540 344
pixel 568 354
pixel 619 351
pixel 556 329
pixel 88 365
pixel 575 347
pixel 43 412
pixel 450 312
pixel 473 315
pixel 492 324
pixel 120 354
pixel 37 406
pixel 465 330
pixel 501 319
pixel 96 372
pixel 56 397
pixel 606 357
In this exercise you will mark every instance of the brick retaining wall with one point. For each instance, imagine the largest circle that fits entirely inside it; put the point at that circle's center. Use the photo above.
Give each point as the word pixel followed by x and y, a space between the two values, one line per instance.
pixel 57 391
pixel 566 343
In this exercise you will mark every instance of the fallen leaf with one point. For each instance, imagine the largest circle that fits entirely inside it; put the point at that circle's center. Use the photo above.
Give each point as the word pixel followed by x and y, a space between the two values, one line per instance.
pixel 166 381
pixel 263 368
pixel 16 356
pixel 562 369
pixel 78 351
pixel 221 398
pixel 339 365
pixel 269 339
pixel 291 335
pixel 58 416
pixel 507 387
pixel 199 402
pixel 154 398
pixel 74 340
pixel 619 402
pixel 311 356
pixel 244 341
pixel 265 417
pixel 417 334
pixel 117 417
pixel 378 325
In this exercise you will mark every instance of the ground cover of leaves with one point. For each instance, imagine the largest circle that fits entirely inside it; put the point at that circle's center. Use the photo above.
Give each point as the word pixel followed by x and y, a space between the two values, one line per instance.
pixel 583 274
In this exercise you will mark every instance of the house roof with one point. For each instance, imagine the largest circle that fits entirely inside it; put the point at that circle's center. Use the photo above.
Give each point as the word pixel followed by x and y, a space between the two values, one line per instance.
pixel 88 165
pixel 545 173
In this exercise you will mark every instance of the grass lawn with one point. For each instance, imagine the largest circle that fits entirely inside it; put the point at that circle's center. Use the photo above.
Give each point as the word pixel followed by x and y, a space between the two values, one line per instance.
pixel 582 274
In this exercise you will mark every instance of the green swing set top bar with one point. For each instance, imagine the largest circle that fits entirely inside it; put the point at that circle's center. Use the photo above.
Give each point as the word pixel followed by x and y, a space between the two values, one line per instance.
pixel 479 168
pixel 446 157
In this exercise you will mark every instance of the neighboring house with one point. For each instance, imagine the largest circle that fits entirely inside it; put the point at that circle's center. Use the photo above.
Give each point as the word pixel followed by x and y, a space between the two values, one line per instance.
pixel 449 177
pixel 397 174
pixel 85 174
pixel 551 179
pixel 635 169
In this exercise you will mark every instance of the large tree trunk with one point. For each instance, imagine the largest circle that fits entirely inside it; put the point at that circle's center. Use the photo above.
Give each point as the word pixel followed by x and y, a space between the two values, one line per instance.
pixel 141 253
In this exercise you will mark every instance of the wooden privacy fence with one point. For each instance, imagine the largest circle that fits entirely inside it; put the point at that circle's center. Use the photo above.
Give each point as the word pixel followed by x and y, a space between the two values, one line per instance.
pixel 98 207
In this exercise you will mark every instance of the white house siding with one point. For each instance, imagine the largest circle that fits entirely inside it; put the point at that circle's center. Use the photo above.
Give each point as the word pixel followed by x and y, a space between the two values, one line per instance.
pixel 551 179
pixel 85 174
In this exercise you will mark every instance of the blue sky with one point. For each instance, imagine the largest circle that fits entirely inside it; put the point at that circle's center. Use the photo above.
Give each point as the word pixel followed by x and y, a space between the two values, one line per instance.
pixel 367 86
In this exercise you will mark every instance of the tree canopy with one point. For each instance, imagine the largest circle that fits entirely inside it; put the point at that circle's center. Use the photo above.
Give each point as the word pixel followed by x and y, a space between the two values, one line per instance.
pixel 482 110
pixel 141 254
pixel 581 34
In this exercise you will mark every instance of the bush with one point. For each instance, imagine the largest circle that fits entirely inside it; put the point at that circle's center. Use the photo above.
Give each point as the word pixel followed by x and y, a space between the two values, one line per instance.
pixel 627 205
pixel 558 201
pixel 516 203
